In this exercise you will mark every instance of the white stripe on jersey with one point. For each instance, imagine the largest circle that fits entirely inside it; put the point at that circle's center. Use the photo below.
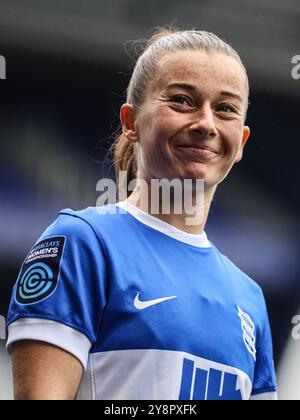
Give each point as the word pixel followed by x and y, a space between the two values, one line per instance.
pixel 151 375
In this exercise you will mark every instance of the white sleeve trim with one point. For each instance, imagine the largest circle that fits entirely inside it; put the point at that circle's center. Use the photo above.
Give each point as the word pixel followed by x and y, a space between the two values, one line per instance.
pixel 51 332
pixel 264 396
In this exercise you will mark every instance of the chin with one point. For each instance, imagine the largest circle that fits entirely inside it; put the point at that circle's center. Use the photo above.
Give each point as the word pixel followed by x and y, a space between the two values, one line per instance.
pixel 195 173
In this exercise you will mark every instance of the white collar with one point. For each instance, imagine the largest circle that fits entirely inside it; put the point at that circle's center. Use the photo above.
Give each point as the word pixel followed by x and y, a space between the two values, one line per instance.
pixel 199 240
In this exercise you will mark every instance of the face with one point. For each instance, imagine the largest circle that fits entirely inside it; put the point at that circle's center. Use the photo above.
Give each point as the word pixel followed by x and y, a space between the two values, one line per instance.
pixel 191 124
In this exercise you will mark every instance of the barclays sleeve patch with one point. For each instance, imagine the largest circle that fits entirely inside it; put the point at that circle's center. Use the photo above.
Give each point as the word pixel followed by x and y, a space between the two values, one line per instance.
pixel 39 275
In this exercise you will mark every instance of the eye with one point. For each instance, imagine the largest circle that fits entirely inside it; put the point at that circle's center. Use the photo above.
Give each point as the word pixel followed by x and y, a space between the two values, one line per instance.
pixel 226 108
pixel 181 100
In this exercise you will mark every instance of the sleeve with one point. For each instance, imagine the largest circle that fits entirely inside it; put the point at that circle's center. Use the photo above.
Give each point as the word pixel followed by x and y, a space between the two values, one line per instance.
pixel 60 293
pixel 264 384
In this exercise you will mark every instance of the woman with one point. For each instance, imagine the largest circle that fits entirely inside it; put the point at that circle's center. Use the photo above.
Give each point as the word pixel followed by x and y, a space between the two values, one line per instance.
pixel 119 303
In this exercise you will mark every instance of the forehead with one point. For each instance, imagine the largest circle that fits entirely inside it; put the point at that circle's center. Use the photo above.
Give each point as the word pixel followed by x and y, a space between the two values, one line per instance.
pixel 200 69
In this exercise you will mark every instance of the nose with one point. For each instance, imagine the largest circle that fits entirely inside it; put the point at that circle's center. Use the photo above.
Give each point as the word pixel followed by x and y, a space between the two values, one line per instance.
pixel 203 122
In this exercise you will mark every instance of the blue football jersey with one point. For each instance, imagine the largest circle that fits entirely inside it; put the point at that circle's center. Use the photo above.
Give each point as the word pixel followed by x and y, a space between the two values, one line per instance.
pixel 150 311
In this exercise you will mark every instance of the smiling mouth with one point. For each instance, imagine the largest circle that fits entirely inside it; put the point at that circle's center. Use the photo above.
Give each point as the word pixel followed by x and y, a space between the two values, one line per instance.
pixel 200 152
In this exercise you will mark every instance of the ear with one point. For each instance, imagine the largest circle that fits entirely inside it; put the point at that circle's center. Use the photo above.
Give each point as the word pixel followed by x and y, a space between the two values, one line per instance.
pixel 246 134
pixel 128 122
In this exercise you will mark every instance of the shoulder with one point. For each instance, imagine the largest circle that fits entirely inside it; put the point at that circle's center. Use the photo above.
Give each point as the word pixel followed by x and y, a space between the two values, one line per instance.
pixel 247 293
pixel 81 222
pixel 94 216
pixel 74 229
pixel 91 227
pixel 70 225
pixel 246 284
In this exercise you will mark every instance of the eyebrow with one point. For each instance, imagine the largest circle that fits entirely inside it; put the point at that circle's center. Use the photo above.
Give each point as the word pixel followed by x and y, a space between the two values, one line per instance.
pixel 193 88
pixel 232 95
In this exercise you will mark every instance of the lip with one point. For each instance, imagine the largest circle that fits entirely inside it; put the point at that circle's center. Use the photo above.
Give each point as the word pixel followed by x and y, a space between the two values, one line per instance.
pixel 203 152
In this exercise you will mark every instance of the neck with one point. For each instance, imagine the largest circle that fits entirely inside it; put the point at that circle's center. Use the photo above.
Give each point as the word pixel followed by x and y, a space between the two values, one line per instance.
pixel 187 211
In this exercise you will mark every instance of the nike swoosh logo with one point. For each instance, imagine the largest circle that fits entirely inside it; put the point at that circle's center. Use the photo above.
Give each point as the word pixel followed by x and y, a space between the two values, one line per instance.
pixel 146 304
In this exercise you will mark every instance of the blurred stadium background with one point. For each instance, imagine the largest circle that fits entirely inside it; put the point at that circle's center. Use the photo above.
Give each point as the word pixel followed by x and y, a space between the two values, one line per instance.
pixel 67 71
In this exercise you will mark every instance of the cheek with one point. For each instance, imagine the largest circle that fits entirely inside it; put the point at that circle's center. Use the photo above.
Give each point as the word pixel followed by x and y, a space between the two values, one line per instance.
pixel 155 134
pixel 232 139
pixel 151 146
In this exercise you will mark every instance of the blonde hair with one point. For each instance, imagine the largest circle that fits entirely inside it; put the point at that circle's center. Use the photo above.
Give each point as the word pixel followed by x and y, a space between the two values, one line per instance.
pixel 162 42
